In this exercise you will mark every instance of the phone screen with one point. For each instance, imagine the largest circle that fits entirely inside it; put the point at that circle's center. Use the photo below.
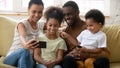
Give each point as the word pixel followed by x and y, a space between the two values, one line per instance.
pixel 42 44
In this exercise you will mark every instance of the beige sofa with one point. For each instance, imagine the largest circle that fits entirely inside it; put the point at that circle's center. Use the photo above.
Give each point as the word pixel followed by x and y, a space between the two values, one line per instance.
pixel 7 26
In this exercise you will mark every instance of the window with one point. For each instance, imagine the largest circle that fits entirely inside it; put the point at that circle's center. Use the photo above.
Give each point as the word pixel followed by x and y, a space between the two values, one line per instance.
pixel 6 5
pixel 21 5
pixel 84 5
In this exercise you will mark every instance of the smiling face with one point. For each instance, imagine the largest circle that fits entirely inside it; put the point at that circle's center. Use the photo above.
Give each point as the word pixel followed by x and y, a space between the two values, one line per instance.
pixel 35 12
pixel 69 15
pixel 93 26
pixel 52 26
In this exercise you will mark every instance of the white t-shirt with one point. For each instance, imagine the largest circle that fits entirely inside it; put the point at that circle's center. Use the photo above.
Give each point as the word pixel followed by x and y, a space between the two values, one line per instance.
pixel 92 41
pixel 30 33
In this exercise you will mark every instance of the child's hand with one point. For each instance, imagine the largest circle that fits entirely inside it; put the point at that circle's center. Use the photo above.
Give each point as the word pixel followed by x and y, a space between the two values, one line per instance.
pixel 50 64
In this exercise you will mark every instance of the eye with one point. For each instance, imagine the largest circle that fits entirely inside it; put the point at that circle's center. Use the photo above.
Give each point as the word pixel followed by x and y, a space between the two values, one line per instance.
pixel 40 12
pixel 33 11
pixel 67 14
pixel 89 25
pixel 50 24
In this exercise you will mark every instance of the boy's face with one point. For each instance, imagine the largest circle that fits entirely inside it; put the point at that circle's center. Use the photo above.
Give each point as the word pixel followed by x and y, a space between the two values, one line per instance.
pixel 35 12
pixel 69 15
pixel 52 26
pixel 93 26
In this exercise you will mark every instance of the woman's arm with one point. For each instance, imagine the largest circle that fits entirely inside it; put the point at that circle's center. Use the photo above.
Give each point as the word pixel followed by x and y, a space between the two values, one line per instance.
pixel 23 35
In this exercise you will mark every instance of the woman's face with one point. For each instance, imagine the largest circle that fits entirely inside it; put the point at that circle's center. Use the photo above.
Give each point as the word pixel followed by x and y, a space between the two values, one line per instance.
pixel 35 12
pixel 93 26
pixel 52 26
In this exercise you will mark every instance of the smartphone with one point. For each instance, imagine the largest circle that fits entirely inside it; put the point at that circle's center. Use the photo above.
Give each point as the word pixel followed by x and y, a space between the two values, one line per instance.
pixel 42 44
pixel 34 42
pixel 79 46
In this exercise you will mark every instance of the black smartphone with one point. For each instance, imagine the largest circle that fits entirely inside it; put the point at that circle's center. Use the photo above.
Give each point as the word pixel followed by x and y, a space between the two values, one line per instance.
pixel 42 44
pixel 79 46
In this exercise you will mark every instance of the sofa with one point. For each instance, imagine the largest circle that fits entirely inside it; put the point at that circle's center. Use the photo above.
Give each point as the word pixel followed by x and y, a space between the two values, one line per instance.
pixel 7 26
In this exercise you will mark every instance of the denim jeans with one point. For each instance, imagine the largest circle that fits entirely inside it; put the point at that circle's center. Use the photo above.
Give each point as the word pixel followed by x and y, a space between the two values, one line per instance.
pixel 20 58
pixel 43 66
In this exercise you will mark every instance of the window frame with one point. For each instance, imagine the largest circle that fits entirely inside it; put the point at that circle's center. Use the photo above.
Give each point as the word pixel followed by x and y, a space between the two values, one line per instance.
pixel 17 7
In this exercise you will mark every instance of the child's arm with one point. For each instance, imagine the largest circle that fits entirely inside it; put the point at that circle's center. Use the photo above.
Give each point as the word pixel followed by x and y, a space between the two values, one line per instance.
pixel 37 56
pixel 59 56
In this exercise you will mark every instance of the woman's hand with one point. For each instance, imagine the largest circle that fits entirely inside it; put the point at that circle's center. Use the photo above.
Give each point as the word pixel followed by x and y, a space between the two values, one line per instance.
pixel 31 44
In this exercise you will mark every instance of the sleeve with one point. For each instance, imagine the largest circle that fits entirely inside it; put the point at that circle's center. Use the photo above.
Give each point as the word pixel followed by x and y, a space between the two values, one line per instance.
pixel 102 41
pixel 79 37
pixel 41 25
pixel 62 45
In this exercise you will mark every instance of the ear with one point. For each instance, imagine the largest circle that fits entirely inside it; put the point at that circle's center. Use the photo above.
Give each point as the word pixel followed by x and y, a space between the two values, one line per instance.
pixel 28 10
pixel 77 12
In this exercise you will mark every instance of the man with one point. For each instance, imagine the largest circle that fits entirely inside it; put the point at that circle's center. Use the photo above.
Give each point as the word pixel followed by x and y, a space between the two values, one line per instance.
pixel 74 27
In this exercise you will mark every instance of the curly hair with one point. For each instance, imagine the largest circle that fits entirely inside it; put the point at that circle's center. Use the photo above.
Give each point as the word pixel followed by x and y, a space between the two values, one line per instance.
pixel 96 15
pixel 54 12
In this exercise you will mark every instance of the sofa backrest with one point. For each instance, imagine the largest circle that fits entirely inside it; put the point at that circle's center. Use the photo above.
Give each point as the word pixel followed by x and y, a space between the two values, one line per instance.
pixel 7 26
pixel 113 40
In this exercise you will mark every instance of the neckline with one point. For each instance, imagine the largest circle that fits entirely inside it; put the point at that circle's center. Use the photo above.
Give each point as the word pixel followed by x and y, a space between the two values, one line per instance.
pixel 31 26
pixel 51 39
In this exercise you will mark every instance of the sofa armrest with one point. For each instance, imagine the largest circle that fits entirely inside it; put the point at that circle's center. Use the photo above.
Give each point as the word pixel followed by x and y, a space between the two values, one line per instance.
pixel 6 66
pixel 2 65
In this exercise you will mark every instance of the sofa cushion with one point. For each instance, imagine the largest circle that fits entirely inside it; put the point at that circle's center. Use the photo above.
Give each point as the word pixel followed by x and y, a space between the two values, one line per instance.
pixel 6 66
pixel 113 41
pixel 7 26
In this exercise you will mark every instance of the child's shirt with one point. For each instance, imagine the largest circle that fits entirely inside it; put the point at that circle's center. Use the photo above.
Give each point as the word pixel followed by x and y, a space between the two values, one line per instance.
pixel 52 47
pixel 92 41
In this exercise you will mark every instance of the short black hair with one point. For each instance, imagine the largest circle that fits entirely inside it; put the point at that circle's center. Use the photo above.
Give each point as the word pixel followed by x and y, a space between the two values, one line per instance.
pixel 96 15
pixel 38 2
pixel 71 4
pixel 54 12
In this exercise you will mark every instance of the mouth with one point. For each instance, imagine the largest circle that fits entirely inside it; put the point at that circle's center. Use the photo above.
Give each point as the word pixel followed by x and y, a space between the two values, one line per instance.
pixel 52 31
pixel 68 21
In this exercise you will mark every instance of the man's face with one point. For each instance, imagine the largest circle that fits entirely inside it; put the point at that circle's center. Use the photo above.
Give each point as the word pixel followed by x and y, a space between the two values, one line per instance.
pixel 69 15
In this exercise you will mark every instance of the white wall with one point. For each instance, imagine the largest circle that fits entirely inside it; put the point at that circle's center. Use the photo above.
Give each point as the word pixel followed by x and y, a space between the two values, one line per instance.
pixel 114 12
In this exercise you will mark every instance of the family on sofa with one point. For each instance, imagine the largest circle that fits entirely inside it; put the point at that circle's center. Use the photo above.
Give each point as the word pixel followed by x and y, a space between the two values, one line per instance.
pixel 81 47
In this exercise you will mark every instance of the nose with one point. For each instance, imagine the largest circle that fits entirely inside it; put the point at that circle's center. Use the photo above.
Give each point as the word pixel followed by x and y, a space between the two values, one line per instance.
pixel 52 28
pixel 66 17
pixel 88 28
pixel 38 14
